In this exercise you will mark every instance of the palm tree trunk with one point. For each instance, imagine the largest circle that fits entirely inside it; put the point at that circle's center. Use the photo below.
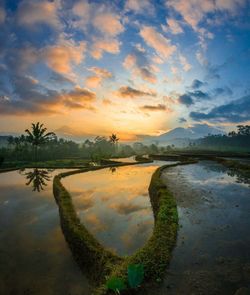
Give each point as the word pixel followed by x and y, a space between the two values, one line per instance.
pixel 35 153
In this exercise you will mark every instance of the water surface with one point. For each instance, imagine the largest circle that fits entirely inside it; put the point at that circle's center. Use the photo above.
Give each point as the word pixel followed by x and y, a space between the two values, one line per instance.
pixel 114 205
pixel 34 257
pixel 212 255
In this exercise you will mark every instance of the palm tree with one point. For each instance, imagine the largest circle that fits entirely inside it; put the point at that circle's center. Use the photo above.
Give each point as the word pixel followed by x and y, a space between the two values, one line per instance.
pixel 38 136
pixel 114 140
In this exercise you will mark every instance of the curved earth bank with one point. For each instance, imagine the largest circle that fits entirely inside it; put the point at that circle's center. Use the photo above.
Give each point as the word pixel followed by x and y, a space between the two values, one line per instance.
pixel 100 262
pixel 212 255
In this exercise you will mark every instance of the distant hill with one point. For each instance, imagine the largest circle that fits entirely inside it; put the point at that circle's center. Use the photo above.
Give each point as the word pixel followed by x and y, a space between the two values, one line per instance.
pixel 183 136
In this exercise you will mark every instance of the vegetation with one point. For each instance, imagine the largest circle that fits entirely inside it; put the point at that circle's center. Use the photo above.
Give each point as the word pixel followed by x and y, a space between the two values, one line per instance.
pixel 234 141
pixel 38 136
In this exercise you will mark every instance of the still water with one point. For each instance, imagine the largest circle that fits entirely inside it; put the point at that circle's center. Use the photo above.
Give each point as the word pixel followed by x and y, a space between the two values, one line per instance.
pixel 212 255
pixel 34 257
pixel 114 205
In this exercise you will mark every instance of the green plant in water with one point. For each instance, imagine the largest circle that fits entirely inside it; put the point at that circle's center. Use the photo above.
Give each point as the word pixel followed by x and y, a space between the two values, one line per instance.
pixel 135 278
pixel 135 275
pixel 116 284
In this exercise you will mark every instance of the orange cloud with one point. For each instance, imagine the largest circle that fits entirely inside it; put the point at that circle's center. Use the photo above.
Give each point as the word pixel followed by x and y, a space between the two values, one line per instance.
pixel 155 108
pixel 126 91
pixel 101 72
pixel 60 58
pixel 105 45
pixel 140 6
pixel 93 81
pixel 146 72
pixel 156 40
pixel 108 23
pixel 31 13
pixel 174 26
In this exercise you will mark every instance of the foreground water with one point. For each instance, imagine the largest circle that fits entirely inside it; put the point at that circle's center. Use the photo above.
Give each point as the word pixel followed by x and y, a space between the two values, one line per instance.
pixel 114 205
pixel 34 257
pixel 212 255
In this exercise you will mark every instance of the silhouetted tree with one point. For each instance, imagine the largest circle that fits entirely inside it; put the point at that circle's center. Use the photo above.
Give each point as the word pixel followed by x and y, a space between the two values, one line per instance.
pixel 38 136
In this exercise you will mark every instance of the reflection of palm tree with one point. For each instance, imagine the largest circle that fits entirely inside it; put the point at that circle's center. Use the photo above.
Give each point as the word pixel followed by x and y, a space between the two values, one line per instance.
pixel 38 136
pixel 38 178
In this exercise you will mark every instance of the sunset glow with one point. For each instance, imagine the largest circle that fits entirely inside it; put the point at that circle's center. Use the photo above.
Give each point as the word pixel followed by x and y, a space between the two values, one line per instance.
pixel 132 67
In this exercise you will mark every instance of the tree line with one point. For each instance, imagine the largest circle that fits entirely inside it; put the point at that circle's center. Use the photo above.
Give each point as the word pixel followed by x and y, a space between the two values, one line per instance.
pixel 235 140
pixel 37 144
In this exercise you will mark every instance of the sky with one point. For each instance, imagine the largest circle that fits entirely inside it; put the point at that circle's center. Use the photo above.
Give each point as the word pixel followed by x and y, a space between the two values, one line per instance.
pixel 132 67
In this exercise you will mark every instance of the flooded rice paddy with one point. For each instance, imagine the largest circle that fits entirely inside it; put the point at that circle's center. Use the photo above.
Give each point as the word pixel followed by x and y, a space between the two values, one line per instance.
pixel 34 257
pixel 114 205
pixel 212 255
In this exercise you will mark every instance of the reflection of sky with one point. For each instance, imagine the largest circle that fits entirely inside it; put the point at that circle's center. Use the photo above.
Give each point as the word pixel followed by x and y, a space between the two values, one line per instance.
pixel 32 248
pixel 210 174
pixel 115 206
pixel 213 239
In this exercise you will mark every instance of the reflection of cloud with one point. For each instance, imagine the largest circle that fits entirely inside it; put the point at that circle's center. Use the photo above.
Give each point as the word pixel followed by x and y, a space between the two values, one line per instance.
pixel 126 208
pixel 141 232
pixel 83 200
pixel 95 223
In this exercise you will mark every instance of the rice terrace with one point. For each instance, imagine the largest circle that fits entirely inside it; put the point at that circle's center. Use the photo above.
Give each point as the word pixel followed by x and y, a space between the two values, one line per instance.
pixel 124 147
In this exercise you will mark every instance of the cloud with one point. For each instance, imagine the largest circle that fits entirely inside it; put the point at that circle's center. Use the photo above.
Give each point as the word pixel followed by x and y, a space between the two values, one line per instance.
pixel 190 97
pixel 138 62
pixel 157 41
pixel 31 13
pixel 96 80
pixel 222 91
pixel 83 10
pixel 154 108
pixel 126 91
pixel 185 64
pixel 186 100
pixel 174 26
pixel 29 96
pixel 105 45
pixel 93 81
pixel 62 56
pixel 196 84
pixel 198 94
pixel 108 23
pixel 236 111
pixel 104 73
pixel 193 11
pixel 2 15
pixel 182 120
pixel 140 6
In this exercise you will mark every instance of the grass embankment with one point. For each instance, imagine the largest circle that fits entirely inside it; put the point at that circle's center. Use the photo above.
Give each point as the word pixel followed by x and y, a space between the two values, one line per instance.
pixel 8 170
pixel 100 264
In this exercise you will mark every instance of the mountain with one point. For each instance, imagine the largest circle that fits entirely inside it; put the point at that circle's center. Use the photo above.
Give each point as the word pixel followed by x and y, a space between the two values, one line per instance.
pixel 183 136
pixel 71 134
